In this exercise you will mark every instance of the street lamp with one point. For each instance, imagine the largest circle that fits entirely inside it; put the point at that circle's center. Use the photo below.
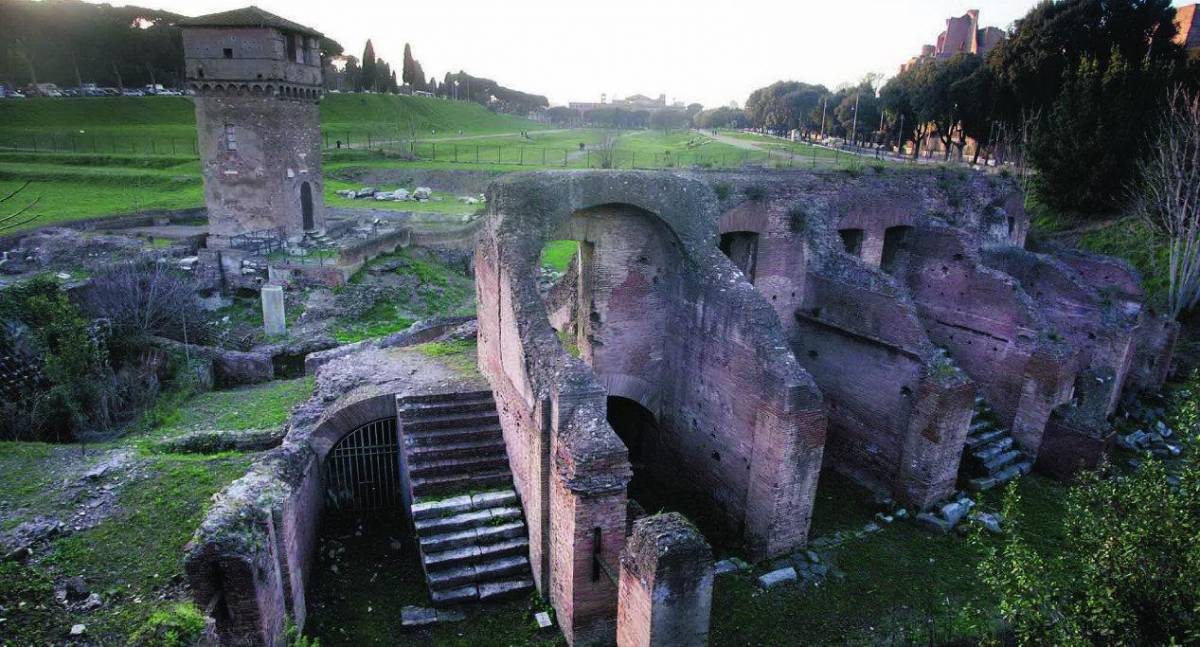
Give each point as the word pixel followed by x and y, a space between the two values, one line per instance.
pixel 854 126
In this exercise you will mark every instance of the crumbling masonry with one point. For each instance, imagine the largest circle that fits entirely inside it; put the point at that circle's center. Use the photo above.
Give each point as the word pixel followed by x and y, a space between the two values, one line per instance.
pixel 766 326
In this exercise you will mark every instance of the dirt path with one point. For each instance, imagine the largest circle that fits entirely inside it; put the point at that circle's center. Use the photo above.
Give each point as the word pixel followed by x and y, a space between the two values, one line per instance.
pixel 459 138
pixel 1090 227
pixel 735 142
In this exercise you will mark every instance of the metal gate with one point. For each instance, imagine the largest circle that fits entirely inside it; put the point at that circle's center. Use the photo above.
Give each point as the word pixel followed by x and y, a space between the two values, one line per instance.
pixel 362 471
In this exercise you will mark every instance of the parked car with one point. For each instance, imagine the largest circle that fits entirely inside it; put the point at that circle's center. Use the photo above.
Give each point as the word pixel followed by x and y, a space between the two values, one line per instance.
pixel 131 92
pixel 9 93
pixel 169 93
pixel 110 92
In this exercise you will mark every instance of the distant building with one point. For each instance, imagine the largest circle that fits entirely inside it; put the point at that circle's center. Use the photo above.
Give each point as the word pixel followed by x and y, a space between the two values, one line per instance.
pixel 632 102
pixel 257 81
pixel 1187 24
pixel 962 36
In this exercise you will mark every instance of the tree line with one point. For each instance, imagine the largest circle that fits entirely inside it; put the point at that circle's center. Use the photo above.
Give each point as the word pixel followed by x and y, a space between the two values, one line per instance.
pixel 1076 88
pixel 374 74
pixel 70 42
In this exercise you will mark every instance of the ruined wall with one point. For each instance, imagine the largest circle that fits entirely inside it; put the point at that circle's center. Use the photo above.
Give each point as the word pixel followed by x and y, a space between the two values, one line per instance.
pixel 991 328
pixel 1155 333
pixel 278 150
pixel 767 447
pixel 898 410
pixel 666 585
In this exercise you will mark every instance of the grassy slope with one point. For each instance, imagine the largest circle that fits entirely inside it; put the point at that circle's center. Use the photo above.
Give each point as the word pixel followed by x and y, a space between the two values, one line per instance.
pixel 439 291
pixel 132 558
pixel 898 584
pixel 175 117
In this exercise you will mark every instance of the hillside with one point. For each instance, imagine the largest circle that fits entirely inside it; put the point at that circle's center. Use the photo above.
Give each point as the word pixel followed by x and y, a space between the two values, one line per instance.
pixel 175 117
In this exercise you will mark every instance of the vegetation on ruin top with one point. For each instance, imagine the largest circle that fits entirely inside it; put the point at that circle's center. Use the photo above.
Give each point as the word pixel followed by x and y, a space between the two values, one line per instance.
pixel 145 507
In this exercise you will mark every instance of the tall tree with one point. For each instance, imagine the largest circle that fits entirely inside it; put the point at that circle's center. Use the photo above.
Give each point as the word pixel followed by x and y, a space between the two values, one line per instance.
pixel 1092 124
pixel 409 69
pixel 368 71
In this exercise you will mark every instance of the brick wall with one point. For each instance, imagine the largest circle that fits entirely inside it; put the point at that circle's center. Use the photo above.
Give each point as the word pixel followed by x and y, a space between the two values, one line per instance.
pixel 666 581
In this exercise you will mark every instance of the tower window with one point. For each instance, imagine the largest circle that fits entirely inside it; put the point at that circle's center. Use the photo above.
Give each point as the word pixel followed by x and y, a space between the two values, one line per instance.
pixel 228 52
pixel 230 138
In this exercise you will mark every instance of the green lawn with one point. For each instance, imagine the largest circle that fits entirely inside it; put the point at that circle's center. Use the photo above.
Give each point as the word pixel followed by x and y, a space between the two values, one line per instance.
pixel 902 585
pixel 259 406
pixel 133 557
pixel 168 124
pixel 557 254
pixel 438 291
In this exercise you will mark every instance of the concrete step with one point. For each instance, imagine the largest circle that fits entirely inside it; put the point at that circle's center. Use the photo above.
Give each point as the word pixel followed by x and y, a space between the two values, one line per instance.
pixel 417 410
pixel 443 451
pixel 504 589
pixel 473 554
pixel 451 421
pixel 993 449
pixel 442 437
pixel 1013 471
pixel 435 485
pixel 460 465
pixel 977 440
pixel 460 595
pixel 477 573
pixel 423 508
pixel 434 398
pixel 979 426
pixel 464 520
pixel 1000 461
pixel 473 536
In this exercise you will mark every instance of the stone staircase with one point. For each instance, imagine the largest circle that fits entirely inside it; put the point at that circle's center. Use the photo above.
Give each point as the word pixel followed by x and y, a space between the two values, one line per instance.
pixel 472 537
pixel 990 457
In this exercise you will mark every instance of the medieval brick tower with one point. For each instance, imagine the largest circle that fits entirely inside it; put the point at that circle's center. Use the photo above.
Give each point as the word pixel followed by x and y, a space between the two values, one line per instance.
pixel 257 82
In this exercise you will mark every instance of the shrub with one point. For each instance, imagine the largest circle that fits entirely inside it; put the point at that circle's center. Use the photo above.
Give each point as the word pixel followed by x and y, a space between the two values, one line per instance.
pixel 177 626
pixel 146 297
pixel 755 192
pixel 722 190
pixel 1126 571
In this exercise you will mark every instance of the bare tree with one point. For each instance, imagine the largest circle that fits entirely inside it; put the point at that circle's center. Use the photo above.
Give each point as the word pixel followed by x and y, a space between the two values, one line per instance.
pixel 17 218
pixel 146 297
pixel 606 151
pixel 1167 195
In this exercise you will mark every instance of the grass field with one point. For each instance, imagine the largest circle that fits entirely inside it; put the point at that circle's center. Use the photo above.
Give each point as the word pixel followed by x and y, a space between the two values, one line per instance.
pixel 140 124
pixel 132 557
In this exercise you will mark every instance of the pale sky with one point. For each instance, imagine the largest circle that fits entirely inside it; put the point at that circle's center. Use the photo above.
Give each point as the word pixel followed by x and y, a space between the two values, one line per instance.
pixel 572 51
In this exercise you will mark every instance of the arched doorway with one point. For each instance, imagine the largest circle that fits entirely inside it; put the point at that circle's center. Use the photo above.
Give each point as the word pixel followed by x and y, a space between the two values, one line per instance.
pixel 638 429
pixel 361 475
pixel 306 205
pixel 742 248
pixel 893 242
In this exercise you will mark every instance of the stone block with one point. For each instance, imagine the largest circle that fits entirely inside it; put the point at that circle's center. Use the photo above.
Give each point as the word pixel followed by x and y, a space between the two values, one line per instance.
pixel 777 577
pixel 274 320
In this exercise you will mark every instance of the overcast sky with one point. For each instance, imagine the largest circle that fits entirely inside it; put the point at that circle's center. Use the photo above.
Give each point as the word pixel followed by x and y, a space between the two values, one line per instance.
pixel 572 51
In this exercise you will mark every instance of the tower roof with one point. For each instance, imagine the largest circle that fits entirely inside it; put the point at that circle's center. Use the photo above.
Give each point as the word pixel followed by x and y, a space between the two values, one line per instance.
pixel 248 17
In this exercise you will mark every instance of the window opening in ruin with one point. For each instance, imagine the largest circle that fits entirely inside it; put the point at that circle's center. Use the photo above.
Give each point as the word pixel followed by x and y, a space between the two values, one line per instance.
pixel 852 240
pixel 289 47
pixel 742 248
pixel 893 241
pixel 306 206
pixel 361 476
pixel 230 138
pixel 228 52
pixel 638 429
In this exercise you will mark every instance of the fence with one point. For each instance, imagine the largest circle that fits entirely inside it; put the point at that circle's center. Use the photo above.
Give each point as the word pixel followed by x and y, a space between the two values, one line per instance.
pixel 352 145
pixel 99 143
